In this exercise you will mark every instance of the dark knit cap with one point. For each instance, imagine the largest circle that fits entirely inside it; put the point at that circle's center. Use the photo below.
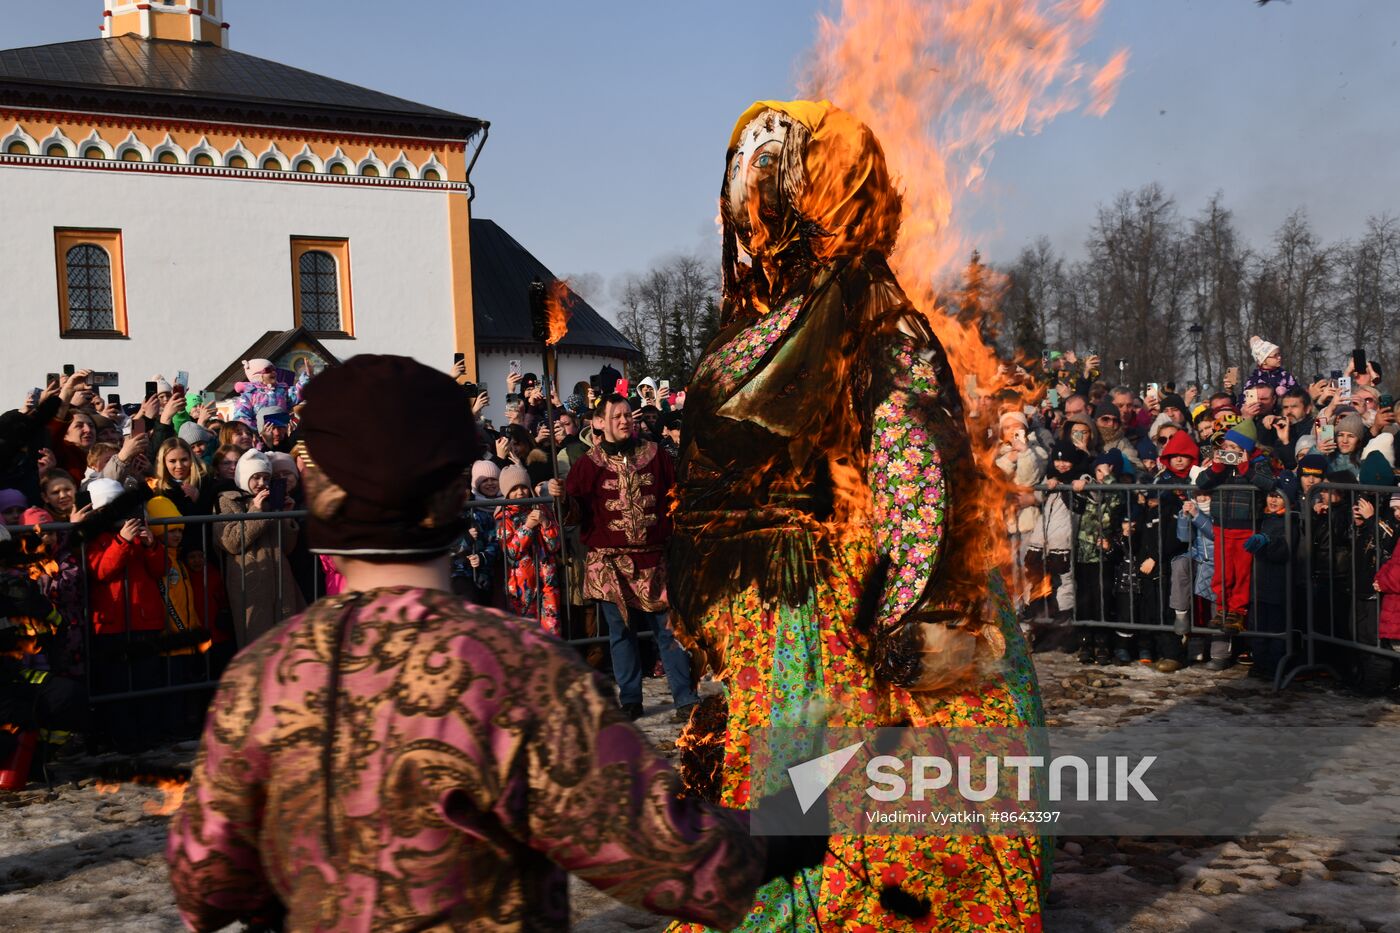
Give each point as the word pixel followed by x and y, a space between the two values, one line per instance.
pixel 1312 465
pixel 394 435
pixel 1105 408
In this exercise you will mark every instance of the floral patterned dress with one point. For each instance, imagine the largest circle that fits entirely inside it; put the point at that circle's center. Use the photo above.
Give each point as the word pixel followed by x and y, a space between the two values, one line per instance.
pixel 824 437
pixel 532 565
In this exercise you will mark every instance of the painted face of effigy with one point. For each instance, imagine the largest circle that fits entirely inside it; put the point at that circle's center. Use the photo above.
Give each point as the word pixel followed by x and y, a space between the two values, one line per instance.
pixel 753 172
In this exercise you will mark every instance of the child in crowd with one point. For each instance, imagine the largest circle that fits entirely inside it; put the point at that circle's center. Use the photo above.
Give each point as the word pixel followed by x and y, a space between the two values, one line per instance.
pixel 263 390
pixel 1268 369
pixel 476 555
pixel 1272 548
pixel 530 538
pixel 1237 462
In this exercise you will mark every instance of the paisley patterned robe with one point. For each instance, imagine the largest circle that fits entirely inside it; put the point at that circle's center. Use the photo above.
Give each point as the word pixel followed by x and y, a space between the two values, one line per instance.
pixel 471 763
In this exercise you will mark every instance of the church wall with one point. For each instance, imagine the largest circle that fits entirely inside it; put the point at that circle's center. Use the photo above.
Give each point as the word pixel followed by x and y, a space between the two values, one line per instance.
pixel 208 269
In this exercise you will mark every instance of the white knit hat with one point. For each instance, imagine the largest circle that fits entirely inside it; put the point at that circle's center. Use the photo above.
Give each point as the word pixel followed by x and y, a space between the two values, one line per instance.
pixel 162 384
pixel 1261 349
pixel 1385 443
pixel 254 368
pixel 104 492
pixel 251 464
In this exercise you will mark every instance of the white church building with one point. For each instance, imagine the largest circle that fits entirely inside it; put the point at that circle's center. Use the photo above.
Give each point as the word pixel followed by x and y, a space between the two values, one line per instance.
pixel 170 202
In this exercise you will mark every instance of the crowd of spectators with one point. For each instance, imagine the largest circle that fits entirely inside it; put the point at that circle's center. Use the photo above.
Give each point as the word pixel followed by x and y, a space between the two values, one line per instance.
pixel 123 573
pixel 1207 533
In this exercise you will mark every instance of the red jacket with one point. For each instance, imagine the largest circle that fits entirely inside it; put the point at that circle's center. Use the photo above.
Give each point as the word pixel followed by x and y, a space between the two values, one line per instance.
pixel 112 562
pixel 1388 579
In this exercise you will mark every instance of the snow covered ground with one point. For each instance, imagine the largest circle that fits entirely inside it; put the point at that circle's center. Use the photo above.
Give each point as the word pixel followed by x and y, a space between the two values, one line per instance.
pixel 76 858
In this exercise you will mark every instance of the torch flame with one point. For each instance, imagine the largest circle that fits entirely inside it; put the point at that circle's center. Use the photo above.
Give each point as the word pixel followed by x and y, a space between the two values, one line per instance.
pixel 558 308
pixel 939 84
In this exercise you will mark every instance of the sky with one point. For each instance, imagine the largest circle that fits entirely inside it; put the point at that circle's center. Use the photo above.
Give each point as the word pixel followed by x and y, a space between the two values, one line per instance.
pixel 609 118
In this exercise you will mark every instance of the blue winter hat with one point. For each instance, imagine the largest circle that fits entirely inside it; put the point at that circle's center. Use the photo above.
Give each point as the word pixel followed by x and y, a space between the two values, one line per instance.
pixel 1146 450
pixel 1287 486
pixel 1114 458
pixel 1245 442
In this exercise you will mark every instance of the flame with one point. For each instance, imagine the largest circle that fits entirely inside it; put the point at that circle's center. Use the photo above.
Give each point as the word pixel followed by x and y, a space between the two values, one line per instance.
pixel 172 795
pixel 558 308
pixel 939 84
pixel 172 787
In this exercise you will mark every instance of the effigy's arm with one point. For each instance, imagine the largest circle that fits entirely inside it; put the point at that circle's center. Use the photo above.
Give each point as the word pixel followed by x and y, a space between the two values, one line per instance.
pixel 923 483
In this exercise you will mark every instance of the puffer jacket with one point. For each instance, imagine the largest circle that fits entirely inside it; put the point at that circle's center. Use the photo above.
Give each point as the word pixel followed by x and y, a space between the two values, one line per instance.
pixel 255 395
pixel 1388 581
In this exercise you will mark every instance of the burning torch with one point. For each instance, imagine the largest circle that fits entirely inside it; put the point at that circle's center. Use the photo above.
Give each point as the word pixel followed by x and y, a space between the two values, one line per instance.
pixel 549 322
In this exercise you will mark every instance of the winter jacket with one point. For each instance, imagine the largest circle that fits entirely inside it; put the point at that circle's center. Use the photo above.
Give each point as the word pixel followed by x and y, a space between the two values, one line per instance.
pixel 1100 516
pixel 204 502
pixel 1280 379
pixel 1388 581
pixel 181 610
pixel 255 395
pixel 1237 508
pixel 486 544
pixel 1198 532
pixel 124 573
pixel 1054 528
pixel 532 565
pixel 261 588
pixel 1025 471
pixel 1270 565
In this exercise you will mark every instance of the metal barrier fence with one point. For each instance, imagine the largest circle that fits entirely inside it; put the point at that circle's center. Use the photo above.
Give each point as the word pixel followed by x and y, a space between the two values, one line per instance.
pixel 244 583
pixel 1323 616
pixel 1081 558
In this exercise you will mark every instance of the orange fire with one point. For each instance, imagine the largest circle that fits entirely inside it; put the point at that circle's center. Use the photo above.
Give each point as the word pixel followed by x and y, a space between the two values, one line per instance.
pixel 940 84
pixel 558 308
pixel 172 790
pixel 172 795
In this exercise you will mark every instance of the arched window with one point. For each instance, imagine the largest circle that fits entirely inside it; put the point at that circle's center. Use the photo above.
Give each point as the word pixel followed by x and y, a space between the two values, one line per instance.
pixel 169 158
pixel 432 175
pixel 319 284
pixel 18 147
pixel 238 162
pixel 337 168
pixel 370 171
pixel 204 158
pixel 306 165
pixel 57 151
pixel 401 172
pixel 93 152
pixel 89 275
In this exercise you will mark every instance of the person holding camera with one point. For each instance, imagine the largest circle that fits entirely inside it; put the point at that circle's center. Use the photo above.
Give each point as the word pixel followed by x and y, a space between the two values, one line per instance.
pixel 1237 461
pixel 261 587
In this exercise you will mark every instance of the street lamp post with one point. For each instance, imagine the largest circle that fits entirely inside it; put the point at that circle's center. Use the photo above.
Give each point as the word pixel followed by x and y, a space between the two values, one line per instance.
pixel 1316 352
pixel 1196 331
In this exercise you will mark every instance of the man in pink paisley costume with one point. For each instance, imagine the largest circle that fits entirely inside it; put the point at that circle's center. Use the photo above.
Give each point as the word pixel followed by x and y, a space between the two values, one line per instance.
pixel 393 759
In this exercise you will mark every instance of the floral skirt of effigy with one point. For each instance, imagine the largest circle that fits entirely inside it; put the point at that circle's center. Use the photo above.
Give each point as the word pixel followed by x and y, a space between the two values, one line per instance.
pixel 777 661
